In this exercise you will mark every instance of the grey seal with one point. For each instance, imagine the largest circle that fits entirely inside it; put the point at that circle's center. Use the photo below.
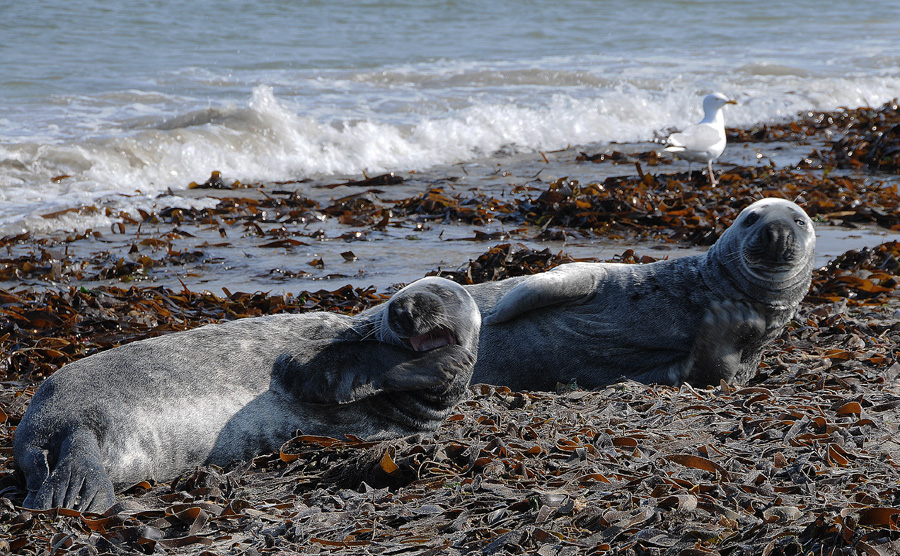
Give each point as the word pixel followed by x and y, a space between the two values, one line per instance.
pixel 697 319
pixel 153 409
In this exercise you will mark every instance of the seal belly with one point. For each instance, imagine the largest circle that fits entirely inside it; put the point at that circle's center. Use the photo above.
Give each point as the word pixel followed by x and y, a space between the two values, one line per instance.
pixel 158 444
pixel 580 345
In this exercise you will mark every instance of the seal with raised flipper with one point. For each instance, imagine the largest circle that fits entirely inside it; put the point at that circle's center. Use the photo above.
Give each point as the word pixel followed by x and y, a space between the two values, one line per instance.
pixel 156 408
pixel 697 319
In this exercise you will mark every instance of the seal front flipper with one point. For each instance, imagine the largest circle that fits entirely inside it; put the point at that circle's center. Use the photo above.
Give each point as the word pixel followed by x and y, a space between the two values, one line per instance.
pixel 728 327
pixel 435 370
pixel 344 372
pixel 563 284
pixel 78 480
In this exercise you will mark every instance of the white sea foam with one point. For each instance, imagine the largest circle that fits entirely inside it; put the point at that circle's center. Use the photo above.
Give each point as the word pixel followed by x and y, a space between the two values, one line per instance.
pixel 423 117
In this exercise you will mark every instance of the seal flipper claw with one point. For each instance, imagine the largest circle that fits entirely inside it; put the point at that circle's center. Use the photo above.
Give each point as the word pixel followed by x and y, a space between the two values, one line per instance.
pixel 728 327
pixel 33 462
pixel 78 480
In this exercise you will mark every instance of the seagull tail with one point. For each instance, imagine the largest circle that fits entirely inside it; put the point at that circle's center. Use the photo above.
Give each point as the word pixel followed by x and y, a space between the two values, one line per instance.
pixel 675 143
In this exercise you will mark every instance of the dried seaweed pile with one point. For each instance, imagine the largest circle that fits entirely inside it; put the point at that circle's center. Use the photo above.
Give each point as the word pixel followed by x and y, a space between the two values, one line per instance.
pixel 829 124
pixel 858 276
pixel 508 260
pixel 504 261
pixel 436 203
pixel 861 138
pixel 672 207
pixel 667 207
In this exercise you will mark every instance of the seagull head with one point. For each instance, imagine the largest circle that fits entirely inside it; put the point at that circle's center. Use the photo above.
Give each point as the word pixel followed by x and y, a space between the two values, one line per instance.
pixel 712 103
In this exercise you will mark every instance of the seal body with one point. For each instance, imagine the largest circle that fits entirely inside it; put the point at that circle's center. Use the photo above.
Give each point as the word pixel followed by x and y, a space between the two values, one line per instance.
pixel 697 319
pixel 153 409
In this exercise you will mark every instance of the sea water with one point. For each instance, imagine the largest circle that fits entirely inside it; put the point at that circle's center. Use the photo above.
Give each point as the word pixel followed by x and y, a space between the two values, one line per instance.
pixel 112 103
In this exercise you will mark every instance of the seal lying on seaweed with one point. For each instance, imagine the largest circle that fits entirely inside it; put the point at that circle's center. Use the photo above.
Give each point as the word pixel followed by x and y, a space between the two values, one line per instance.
pixel 156 408
pixel 697 319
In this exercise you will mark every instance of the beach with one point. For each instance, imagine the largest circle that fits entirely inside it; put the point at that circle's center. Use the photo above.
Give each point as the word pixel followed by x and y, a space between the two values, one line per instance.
pixel 387 229
pixel 801 459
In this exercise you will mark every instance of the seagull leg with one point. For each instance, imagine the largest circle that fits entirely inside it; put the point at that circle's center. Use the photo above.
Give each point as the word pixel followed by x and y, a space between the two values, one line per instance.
pixel 712 178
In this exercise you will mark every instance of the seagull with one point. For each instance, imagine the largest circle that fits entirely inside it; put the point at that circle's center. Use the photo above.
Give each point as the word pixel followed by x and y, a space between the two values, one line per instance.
pixel 705 141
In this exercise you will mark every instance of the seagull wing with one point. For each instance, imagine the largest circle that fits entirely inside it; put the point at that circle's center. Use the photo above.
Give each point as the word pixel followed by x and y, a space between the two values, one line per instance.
pixel 698 137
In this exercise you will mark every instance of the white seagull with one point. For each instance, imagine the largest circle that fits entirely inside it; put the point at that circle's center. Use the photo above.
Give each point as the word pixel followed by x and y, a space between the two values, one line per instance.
pixel 705 141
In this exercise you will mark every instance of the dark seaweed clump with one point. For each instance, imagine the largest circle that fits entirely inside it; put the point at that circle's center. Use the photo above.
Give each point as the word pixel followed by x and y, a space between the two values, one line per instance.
pixel 671 207
pixel 870 141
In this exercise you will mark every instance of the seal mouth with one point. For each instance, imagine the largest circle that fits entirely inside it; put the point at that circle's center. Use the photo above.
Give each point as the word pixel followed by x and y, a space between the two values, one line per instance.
pixel 433 339
pixel 773 261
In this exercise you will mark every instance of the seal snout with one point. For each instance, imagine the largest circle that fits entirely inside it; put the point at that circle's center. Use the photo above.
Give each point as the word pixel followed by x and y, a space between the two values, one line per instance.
pixel 402 315
pixel 417 320
pixel 776 243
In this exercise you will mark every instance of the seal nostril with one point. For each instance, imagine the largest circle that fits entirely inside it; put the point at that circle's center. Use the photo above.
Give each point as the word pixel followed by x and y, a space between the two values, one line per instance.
pixel 778 234
pixel 405 319
pixel 776 241
pixel 750 219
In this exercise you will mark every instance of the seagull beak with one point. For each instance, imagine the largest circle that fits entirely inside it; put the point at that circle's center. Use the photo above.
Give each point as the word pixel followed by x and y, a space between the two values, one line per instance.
pixel 731 102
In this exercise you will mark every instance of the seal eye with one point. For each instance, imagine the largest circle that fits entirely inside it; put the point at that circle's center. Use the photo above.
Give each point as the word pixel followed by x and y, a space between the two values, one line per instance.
pixel 750 219
pixel 800 222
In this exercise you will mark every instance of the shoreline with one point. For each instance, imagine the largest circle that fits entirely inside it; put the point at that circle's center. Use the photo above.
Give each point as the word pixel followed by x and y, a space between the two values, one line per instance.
pixel 392 228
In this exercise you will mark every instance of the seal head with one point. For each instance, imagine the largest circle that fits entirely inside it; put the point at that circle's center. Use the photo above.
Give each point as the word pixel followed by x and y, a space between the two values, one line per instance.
pixel 758 272
pixel 766 255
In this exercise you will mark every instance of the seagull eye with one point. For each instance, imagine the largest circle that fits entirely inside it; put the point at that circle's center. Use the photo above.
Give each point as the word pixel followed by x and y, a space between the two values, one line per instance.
pixel 750 219
pixel 800 222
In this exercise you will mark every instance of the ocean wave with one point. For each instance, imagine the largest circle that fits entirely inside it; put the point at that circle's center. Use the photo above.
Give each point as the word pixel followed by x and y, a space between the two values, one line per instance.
pixel 273 138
